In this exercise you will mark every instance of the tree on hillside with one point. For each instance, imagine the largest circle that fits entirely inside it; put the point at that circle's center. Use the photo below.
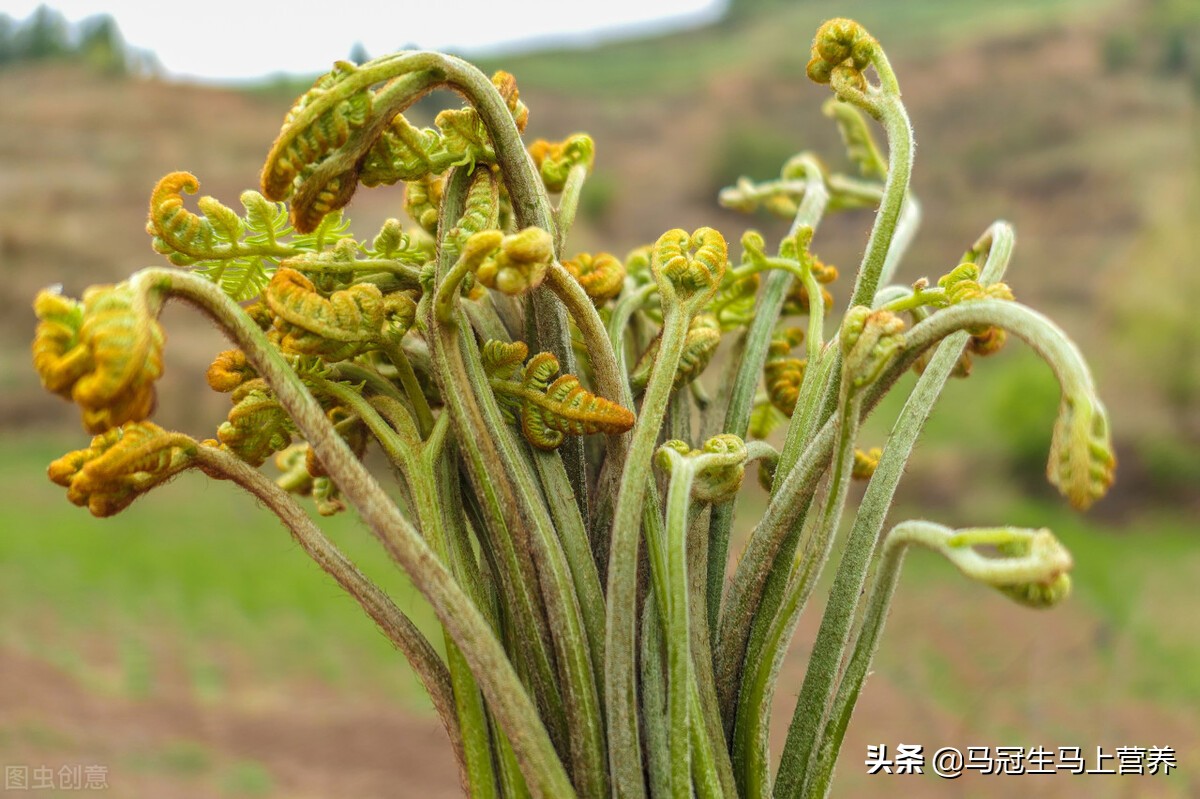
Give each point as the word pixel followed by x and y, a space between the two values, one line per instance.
pixel 44 35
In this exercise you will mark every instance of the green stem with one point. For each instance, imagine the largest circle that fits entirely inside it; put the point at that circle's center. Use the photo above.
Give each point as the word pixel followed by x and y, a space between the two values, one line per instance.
pixel 679 656
pixel 749 375
pixel 392 622
pixel 568 203
pixel 620 652
pixel 496 461
pixel 412 386
pixel 499 682
pixel 820 682
pixel 419 475
pixel 751 748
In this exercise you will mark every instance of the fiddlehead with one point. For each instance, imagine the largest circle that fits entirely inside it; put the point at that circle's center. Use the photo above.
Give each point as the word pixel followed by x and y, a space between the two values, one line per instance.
pixel 104 353
pixel 548 406
pixel 335 327
pixel 602 275
pixel 783 373
pixel 229 370
pixel 865 463
pixel 796 303
pixel 121 465
pixel 869 341
pixel 423 199
pixel 257 426
pixel 319 122
pixel 689 268
pixel 719 466
pixel 699 346
pixel 518 265
pixel 841 50
pixel 555 160
pixel 1081 463
pixel 238 253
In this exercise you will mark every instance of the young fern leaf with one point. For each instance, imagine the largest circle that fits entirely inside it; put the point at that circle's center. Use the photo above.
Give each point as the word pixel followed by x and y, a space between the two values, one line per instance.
pixel 857 137
pixel 783 373
pixel 765 417
pixel 699 346
pixel 865 463
pixel 502 359
pixel 256 428
pixel 555 160
pixel 319 122
pixel 238 253
pixel 481 211
pixel 104 353
pixel 548 407
pixel 519 264
pixel 602 275
pixel 121 465
pixel 423 200
pixel 736 300
pixel 338 327
pixel 720 466
pixel 228 371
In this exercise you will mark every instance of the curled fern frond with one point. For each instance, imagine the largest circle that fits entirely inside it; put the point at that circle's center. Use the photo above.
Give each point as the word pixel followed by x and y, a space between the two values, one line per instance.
pixel 57 355
pixel 554 160
pixel 423 199
pixel 481 210
pixel 783 373
pixel 335 327
pixel 399 315
pixel 865 462
pixel 735 301
pixel 720 466
pixel 989 342
pixel 506 84
pixel 105 353
pixel 503 359
pixel 856 136
pixel 1031 567
pixel 120 465
pixel 841 44
pixel 602 275
pixel 320 121
pixel 1082 464
pixel 237 252
pixel 257 427
pixel 550 407
pixel 519 264
pixel 689 267
pixel 962 285
pixel 869 341
pixel 229 370
pixel 699 345
pixel 765 417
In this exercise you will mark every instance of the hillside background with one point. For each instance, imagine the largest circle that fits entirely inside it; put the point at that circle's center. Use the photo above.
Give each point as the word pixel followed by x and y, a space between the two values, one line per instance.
pixel 179 644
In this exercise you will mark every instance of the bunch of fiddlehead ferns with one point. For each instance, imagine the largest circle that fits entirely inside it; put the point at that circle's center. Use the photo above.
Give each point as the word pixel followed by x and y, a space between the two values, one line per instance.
pixel 594 644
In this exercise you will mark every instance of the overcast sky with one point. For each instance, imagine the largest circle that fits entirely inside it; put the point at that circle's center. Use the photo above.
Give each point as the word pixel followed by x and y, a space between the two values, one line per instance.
pixel 223 39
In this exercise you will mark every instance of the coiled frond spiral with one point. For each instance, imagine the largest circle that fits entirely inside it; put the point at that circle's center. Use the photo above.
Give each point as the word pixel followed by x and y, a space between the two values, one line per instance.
pixel 335 327
pixel 546 405
pixel 120 465
pixel 602 275
pixel 104 353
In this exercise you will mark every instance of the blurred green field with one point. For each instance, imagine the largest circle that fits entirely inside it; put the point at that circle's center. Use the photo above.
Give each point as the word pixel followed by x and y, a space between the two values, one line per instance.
pixel 196 568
